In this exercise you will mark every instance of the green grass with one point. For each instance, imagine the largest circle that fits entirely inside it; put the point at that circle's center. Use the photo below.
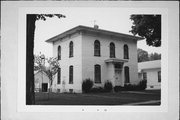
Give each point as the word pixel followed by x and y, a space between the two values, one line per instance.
pixel 119 98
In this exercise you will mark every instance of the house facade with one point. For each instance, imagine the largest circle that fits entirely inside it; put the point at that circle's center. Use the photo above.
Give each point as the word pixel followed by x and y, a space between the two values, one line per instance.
pixel 101 55
pixel 150 71
pixel 41 82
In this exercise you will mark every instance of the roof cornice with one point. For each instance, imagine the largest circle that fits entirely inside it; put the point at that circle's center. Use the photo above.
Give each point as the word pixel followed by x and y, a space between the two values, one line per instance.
pixel 90 29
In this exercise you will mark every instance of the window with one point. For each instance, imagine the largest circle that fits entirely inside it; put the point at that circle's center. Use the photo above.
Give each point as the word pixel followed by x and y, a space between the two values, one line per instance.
pixel 59 76
pixel 58 90
pixel 59 52
pixel 159 76
pixel 97 74
pixel 71 90
pixel 126 52
pixel 71 49
pixel 112 50
pixel 96 48
pixel 126 74
pixel 70 74
pixel 144 76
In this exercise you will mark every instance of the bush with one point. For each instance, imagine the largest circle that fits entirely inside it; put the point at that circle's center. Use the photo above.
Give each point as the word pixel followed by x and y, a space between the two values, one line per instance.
pixel 118 88
pixel 87 85
pixel 143 84
pixel 97 90
pixel 108 86
pixel 140 86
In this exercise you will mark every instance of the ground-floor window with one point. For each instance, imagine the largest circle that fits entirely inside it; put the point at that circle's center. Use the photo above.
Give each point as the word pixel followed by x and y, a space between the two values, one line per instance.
pixel 59 76
pixel 71 74
pixel 159 76
pixel 144 76
pixel 126 74
pixel 97 73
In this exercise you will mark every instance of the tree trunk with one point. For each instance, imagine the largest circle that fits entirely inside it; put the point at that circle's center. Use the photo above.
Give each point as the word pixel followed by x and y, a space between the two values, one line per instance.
pixel 30 28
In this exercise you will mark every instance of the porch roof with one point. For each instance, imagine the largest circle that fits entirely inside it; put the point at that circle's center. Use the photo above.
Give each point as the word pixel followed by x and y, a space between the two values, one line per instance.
pixel 115 60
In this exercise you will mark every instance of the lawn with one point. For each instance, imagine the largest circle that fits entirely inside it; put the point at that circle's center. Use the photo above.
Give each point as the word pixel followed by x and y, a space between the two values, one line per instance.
pixel 120 98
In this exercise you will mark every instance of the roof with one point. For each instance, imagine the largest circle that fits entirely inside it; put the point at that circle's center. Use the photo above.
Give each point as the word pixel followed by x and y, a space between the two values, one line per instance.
pixel 149 65
pixel 91 29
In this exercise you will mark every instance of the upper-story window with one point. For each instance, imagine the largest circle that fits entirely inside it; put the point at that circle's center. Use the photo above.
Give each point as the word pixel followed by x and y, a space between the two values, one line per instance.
pixel 112 50
pixel 126 52
pixel 59 52
pixel 71 49
pixel 97 73
pixel 97 48
pixel 126 74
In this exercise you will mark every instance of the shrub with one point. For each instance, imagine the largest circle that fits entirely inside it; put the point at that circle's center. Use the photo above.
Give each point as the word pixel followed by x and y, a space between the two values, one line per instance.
pixel 142 84
pixel 118 88
pixel 87 85
pixel 108 86
pixel 97 90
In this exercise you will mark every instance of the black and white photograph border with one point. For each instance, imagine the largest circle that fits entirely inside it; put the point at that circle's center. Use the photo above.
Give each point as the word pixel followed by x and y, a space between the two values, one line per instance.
pixel 19 49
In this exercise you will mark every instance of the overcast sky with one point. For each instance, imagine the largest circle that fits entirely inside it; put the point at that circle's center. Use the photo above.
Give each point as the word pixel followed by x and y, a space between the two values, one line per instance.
pixel 112 19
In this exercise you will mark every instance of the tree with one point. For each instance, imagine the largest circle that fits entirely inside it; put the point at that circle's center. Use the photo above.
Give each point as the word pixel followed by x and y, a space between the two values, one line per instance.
pixel 30 28
pixel 142 55
pixel 148 26
pixel 50 70
pixel 154 56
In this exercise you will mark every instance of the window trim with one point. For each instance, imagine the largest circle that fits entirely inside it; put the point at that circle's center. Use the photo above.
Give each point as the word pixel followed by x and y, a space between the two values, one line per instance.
pixel 97 51
pixel 112 50
pixel 126 51
pixel 126 75
pixel 59 52
pixel 144 74
pixel 59 76
pixel 71 69
pixel 159 76
pixel 71 49
pixel 97 74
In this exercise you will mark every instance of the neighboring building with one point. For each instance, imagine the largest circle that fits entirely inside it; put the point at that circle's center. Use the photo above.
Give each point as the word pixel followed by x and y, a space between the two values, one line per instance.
pixel 100 55
pixel 41 82
pixel 150 71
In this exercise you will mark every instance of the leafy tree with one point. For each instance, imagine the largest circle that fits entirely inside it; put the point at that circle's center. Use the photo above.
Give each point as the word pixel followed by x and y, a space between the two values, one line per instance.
pixel 142 55
pixel 30 28
pixel 148 26
pixel 154 56
pixel 50 70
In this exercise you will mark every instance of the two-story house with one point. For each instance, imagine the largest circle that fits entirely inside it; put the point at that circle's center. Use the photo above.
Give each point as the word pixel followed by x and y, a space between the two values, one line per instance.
pixel 101 55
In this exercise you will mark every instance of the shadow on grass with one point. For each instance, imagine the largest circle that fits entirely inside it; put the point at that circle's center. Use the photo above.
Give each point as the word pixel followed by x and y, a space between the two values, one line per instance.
pixel 119 98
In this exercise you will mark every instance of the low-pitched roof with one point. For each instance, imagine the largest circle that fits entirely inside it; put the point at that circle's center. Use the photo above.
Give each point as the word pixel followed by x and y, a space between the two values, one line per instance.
pixel 149 65
pixel 91 29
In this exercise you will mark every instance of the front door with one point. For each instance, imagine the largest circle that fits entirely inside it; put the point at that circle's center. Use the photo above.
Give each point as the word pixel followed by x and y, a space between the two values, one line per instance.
pixel 118 77
pixel 44 87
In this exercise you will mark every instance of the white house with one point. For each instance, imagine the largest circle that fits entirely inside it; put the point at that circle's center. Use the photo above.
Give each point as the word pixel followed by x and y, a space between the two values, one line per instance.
pixel 150 71
pixel 41 82
pixel 101 55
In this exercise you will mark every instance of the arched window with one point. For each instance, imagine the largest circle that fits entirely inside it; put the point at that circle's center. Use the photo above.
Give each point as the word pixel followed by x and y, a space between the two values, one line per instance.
pixel 71 49
pixel 126 52
pixel 97 73
pixel 112 50
pixel 59 76
pixel 96 48
pixel 59 52
pixel 126 74
pixel 71 74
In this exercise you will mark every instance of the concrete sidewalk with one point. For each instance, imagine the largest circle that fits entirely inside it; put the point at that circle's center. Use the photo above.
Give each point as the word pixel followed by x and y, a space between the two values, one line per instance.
pixel 146 102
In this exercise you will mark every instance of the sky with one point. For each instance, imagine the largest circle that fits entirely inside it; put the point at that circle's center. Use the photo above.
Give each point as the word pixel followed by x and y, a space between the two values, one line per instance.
pixel 112 19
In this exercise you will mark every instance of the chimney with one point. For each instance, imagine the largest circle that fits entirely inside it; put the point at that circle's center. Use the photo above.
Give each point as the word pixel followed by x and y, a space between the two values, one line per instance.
pixel 96 26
